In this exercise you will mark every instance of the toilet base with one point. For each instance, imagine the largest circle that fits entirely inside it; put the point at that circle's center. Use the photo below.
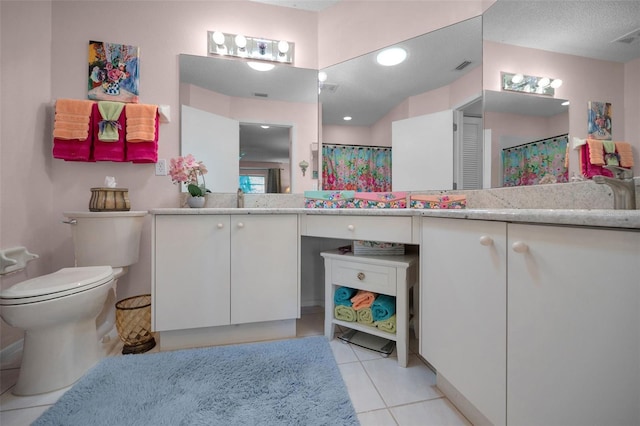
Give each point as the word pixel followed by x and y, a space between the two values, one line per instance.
pixel 56 357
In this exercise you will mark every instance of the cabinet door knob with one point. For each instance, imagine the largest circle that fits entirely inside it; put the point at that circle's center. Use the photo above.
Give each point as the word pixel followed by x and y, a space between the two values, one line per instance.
pixel 351 227
pixel 220 226
pixel 361 276
pixel 240 225
pixel 486 240
pixel 520 247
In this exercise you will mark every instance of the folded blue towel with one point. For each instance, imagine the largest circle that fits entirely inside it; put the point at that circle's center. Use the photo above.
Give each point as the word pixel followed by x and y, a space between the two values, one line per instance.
pixel 343 295
pixel 384 307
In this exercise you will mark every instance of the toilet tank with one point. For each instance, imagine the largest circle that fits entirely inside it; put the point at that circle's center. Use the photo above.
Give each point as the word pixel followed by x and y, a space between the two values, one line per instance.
pixel 106 238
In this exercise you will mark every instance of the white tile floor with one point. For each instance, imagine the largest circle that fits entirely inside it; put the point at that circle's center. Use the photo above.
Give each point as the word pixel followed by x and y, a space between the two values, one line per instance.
pixel 382 393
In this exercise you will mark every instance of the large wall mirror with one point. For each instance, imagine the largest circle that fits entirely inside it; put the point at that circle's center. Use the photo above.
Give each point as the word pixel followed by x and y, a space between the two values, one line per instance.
pixel 411 107
pixel 563 49
pixel 247 126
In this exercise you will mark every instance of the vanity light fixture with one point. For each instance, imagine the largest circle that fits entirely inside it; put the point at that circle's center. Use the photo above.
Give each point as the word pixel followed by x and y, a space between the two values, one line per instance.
pixel 239 45
pixel 392 56
pixel 303 166
pixel 529 84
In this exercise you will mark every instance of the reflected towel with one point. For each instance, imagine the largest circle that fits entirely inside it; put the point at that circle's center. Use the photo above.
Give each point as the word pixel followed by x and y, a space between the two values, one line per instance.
pixel 596 152
pixel 388 325
pixel 363 299
pixel 343 296
pixel 108 125
pixel 72 119
pixel 345 313
pixel 610 155
pixel 626 154
pixel 141 122
pixel 364 316
pixel 383 307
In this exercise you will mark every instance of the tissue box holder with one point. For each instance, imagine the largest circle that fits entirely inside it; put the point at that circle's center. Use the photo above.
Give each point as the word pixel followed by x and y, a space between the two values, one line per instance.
pixel 438 202
pixel 380 200
pixel 109 199
pixel 376 248
pixel 328 199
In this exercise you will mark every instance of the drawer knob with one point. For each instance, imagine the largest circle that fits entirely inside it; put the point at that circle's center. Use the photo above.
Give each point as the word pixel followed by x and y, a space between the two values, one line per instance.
pixel 520 247
pixel 351 227
pixel 240 225
pixel 361 276
pixel 486 240
pixel 220 226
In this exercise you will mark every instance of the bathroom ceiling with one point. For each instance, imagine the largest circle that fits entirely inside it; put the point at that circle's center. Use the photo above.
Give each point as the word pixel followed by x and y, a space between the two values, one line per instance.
pixel 310 5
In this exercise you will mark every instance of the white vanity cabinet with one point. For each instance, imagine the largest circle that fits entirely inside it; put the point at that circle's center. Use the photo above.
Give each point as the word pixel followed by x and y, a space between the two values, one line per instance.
pixel 212 270
pixel 463 308
pixel 573 335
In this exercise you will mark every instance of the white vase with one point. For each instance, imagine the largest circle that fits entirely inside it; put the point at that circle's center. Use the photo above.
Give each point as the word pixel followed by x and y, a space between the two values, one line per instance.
pixel 195 202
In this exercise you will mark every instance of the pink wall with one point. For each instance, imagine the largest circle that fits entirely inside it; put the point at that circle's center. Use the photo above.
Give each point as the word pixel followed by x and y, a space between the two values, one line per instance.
pixel 583 79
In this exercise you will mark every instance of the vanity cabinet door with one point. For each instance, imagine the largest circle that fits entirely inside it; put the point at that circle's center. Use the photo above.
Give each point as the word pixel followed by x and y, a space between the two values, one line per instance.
pixel 573 326
pixel 192 275
pixel 463 308
pixel 264 268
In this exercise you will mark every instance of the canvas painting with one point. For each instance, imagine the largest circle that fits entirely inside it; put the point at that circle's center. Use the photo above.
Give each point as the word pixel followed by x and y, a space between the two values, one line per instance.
pixel 600 120
pixel 113 72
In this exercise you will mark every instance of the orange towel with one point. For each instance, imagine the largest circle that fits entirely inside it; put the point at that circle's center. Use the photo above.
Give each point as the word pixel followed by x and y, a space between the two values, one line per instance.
pixel 141 122
pixel 626 154
pixel 596 152
pixel 362 299
pixel 72 119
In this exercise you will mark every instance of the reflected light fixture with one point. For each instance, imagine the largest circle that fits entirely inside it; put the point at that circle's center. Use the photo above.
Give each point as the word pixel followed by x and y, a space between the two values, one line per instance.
pixel 392 56
pixel 260 66
pixel 529 84
pixel 565 103
pixel 347 118
pixel 303 166
pixel 239 45
pixel 264 126
pixel 322 76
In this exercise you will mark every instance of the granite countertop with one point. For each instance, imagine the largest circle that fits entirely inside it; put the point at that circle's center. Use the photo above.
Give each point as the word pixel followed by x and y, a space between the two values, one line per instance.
pixel 628 219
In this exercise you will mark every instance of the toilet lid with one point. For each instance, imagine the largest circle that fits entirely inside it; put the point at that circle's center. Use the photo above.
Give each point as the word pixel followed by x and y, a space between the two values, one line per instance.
pixel 58 284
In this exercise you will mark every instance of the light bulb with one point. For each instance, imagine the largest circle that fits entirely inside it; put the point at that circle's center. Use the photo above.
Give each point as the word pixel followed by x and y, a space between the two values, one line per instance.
pixel 544 82
pixel 218 38
pixel 556 83
pixel 241 41
pixel 517 78
pixel 283 46
pixel 322 76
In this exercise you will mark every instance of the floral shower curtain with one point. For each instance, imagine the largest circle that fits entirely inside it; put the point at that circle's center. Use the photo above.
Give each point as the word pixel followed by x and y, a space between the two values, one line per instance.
pixel 356 168
pixel 536 162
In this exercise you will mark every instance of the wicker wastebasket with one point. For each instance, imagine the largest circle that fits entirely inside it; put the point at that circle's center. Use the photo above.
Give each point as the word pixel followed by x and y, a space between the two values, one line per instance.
pixel 133 321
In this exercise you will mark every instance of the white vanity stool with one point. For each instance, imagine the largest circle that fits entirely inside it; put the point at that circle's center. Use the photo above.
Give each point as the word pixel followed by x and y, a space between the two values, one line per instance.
pixel 393 275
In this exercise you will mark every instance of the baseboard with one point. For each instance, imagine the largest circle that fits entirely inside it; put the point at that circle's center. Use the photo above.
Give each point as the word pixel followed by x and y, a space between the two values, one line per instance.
pixel 462 404
pixel 11 356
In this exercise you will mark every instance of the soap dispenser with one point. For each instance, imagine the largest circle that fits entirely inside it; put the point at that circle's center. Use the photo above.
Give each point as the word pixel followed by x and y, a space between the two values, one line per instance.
pixel 240 198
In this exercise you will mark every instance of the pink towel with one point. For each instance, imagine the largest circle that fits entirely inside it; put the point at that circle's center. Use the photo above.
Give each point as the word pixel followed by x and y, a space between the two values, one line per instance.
pixel 143 152
pixel 363 299
pixel 108 151
pixel 588 169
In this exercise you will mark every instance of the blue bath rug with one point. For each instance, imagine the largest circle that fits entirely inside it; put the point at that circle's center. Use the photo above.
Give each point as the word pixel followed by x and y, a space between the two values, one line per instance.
pixel 288 382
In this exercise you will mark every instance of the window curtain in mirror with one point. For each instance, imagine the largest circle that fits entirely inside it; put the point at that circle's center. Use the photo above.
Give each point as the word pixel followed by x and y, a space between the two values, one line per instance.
pixel 356 168
pixel 536 162
pixel 273 181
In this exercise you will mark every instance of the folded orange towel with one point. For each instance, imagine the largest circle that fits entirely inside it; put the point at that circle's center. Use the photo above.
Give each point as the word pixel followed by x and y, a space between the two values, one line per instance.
pixel 141 121
pixel 596 152
pixel 626 154
pixel 362 299
pixel 72 119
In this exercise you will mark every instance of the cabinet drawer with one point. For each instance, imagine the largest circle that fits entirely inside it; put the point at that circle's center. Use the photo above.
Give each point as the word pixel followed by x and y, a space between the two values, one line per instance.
pixel 363 276
pixel 371 228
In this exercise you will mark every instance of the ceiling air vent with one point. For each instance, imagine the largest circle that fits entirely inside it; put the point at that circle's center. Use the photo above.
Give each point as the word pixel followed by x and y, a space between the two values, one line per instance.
pixel 632 37
pixel 463 65
pixel 261 95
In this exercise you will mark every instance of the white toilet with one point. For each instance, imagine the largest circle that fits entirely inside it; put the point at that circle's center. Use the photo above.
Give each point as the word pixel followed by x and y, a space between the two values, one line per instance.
pixel 58 311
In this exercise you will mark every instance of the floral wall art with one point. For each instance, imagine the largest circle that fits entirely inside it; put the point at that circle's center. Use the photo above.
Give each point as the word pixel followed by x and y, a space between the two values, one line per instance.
pixel 113 72
pixel 600 120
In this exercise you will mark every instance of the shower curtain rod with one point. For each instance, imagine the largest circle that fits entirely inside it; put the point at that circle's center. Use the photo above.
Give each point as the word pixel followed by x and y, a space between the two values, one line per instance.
pixel 334 145
pixel 539 140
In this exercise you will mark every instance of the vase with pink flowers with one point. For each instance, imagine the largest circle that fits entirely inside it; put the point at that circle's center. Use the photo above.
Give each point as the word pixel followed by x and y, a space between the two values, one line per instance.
pixel 187 170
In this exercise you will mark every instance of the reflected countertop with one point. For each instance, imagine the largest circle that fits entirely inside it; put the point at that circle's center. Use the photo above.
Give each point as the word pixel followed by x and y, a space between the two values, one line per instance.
pixel 628 219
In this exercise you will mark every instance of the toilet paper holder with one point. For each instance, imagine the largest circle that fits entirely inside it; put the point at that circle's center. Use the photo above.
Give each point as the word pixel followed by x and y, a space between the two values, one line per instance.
pixel 15 259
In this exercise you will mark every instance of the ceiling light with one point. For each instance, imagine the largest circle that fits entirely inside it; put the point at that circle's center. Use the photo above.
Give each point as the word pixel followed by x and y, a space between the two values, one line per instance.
pixel 391 56
pixel 347 118
pixel 544 82
pixel 261 66
pixel 517 78
pixel 556 83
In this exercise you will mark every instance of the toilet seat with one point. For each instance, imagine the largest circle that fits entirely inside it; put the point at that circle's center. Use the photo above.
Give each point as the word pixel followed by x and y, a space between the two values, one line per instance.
pixel 61 283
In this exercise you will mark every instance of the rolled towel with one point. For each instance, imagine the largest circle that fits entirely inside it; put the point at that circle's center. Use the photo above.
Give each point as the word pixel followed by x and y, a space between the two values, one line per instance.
pixel 363 299
pixel 345 313
pixel 343 296
pixel 364 316
pixel 383 307
pixel 388 325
